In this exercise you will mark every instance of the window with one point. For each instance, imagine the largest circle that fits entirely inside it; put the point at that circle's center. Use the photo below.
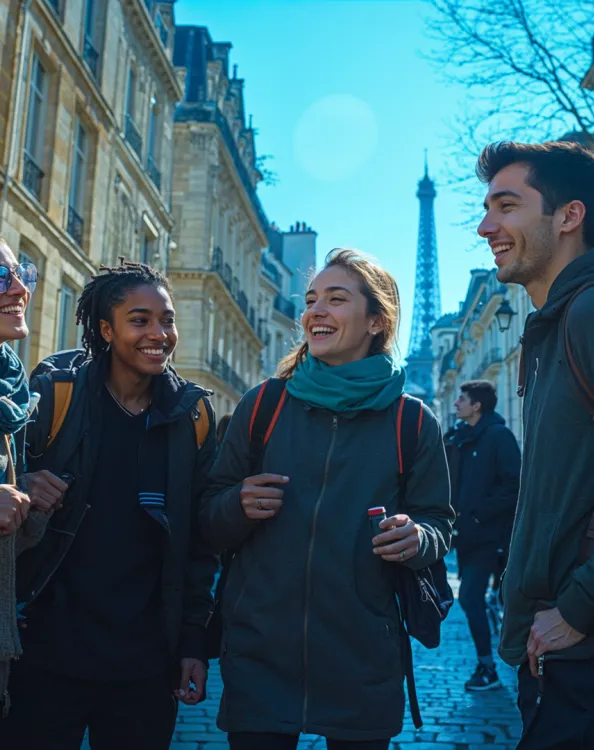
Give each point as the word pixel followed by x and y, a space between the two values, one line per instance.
pixel 162 29
pixel 153 144
pixel 89 19
pixel 34 136
pixel 66 320
pixel 131 94
pixel 148 250
pixel 23 347
pixel 78 178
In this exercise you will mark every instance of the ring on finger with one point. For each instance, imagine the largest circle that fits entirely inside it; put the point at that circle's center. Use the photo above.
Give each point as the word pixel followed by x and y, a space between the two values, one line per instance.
pixel 260 505
pixel 403 554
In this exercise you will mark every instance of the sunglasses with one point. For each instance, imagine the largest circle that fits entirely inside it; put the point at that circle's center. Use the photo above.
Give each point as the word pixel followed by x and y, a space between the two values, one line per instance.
pixel 26 273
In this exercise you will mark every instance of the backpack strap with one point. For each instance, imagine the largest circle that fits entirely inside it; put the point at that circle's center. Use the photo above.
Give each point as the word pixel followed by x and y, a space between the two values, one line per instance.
pixel 201 419
pixel 269 403
pixel 584 390
pixel 62 392
pixel 409 420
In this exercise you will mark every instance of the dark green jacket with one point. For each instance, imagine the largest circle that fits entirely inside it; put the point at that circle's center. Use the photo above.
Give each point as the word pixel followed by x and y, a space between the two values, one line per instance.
pixel 311 630
pixel 557 483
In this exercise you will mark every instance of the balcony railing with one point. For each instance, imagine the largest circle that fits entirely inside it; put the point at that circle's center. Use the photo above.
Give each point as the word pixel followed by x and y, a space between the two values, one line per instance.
pixel 154 172
pixel 32 177
pixel 226 373
pixel 270 270
pixel 493 356
pixel 225 272
pixel 91 56
pixel 75 226
pixel 284 306
pixel 133 136
pixel 201 112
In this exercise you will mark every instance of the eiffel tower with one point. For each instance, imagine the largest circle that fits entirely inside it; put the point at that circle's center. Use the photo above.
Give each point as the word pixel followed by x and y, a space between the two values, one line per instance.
pixel 427 304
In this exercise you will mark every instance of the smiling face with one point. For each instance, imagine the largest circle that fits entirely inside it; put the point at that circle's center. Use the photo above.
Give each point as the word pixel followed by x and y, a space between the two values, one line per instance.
pixel 337 326
pixel 142 331
pixel 522 237
pixel 13 303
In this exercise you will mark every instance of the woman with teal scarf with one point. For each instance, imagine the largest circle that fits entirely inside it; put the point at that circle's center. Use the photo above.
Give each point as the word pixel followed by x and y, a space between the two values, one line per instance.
pixel 17 283
pixel 311 636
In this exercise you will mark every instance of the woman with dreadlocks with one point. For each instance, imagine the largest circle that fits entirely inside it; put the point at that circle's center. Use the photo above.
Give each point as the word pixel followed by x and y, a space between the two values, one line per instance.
pixel 115 597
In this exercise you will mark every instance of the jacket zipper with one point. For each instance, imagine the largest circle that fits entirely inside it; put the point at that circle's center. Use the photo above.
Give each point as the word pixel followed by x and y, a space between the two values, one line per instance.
pixel 308 568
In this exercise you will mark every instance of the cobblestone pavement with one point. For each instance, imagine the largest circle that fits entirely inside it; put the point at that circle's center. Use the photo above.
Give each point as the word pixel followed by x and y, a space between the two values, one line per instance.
pixel 453 718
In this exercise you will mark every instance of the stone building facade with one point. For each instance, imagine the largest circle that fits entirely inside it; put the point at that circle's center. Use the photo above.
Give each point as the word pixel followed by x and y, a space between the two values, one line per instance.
pixel 224 293
pixel 87 95
pixel 468 345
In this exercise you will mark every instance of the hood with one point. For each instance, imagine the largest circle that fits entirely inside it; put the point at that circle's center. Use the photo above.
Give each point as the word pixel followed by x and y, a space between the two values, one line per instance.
pixel 469 434
pixel 172 395
pixel 571 278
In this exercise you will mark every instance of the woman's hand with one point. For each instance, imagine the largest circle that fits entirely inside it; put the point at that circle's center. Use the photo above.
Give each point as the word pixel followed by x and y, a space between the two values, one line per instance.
pixel 45 489
pixel 14 508
pixel 258 500
pixel 401 542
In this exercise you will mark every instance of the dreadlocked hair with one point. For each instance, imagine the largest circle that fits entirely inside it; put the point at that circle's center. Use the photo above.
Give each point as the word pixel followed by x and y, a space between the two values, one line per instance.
pixel 106 290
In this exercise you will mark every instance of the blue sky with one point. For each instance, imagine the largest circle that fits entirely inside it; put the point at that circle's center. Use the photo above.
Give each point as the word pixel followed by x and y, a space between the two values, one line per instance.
pixel 346 104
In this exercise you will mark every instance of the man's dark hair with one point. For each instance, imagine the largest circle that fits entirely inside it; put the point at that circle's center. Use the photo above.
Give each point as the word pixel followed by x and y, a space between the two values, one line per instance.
pixel 482 392
pixel 107 290
pixel 561 171
pixel 222 427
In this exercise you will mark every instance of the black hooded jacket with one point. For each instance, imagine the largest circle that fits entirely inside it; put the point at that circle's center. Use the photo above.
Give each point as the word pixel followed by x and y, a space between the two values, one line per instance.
pixel 188 566
pixel 557 486
pixel 485 483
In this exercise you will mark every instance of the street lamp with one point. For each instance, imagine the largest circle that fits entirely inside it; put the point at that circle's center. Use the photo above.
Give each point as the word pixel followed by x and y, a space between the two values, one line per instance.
pixel 504 315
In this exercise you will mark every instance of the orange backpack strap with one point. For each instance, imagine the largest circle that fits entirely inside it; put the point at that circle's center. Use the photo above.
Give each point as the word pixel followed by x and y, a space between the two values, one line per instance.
pixel 201 419
pixel 409 421
pixel 270 400
pixel 63 391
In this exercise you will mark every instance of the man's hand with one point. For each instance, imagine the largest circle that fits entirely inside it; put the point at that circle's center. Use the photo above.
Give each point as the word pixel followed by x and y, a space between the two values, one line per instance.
pixel 192 688
pixel 549 632
pixel 259 501
pixel 401 542
pixel 45 489
pixel 14 508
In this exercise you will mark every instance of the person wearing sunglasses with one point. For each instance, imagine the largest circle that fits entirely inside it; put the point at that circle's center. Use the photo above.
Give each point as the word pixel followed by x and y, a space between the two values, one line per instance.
pixel 17 283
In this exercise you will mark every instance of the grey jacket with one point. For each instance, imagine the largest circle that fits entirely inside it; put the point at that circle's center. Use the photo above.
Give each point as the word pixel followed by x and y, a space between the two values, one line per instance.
pixel 311 629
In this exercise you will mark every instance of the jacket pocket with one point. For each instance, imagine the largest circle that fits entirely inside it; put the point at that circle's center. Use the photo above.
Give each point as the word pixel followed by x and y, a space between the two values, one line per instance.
pixel 536 572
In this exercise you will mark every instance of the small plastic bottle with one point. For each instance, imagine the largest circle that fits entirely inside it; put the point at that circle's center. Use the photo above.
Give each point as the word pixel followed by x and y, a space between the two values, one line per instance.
pixel 376 516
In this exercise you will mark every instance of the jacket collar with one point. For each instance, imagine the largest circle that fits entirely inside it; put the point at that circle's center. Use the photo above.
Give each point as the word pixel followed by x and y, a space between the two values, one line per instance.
pixel 469 434
pixel 172 395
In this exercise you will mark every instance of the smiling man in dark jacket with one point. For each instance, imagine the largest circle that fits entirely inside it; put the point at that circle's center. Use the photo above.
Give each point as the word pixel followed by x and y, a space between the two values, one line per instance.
pixel 485 493
pixel 540 225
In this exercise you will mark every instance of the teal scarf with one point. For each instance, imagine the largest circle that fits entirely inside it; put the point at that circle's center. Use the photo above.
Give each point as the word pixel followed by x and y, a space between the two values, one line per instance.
pixel 372 383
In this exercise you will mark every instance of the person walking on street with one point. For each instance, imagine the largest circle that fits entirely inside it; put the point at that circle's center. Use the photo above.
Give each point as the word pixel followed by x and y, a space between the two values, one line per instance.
pixel 115 598
pixel 485 483
pixel 311 630
pixel 539 222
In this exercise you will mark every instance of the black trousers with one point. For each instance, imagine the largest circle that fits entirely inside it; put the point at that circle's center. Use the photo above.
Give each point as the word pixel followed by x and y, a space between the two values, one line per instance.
pixel 50 712
pixel 475 568
pixel 565 718
pixel 265 741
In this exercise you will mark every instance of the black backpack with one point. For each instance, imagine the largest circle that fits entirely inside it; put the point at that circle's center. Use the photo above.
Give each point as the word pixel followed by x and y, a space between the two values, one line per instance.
pixel 424 596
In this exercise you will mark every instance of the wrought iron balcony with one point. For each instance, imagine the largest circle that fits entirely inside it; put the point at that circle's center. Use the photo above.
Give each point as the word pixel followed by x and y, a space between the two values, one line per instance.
pixel 226 373
pixel 75 226
pixel 270 270
pixel 32 176
pixel 242 301
pixel 91 56
pixel 284 306
pixel 203 112
pixel 154 172
pixel 133 136
pixel 225 272
pixel 492 357
pixel 252 318
pixel 217 260
pixel 227 276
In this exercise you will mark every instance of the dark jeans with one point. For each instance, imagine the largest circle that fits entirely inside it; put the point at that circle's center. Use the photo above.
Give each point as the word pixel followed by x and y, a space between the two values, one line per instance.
pixel 257 741
pixel 50 712
pixel 475 568
pixel 565 718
